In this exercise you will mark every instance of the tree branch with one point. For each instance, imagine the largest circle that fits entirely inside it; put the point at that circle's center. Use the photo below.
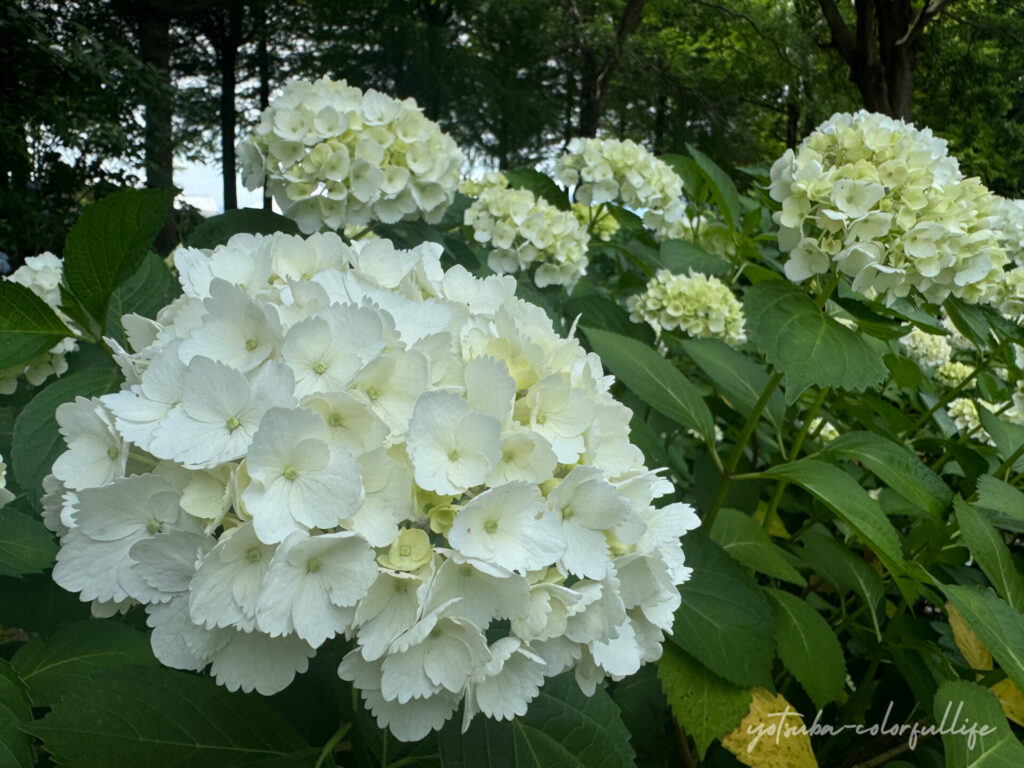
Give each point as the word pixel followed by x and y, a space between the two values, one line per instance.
pixel 928 12
pixel 842 40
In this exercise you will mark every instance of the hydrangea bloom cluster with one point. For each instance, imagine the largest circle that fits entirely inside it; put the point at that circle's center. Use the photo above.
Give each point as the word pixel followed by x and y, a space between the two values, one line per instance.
pixel 953 373
pixel 525 231
pixel 608 170
pixel 697 304
pixel 1011 225
pixel 319 439
pixel 928 349
pixel 334 155
pixel 964 413
pixel 42 275
pixel 1009 293
pixel 881 201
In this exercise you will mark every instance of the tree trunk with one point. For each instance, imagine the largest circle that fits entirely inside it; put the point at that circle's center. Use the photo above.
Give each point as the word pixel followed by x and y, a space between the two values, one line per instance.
pixel 882 51
pixel 154 27
pixel 263 64
pixel 597 73
pixel 227 58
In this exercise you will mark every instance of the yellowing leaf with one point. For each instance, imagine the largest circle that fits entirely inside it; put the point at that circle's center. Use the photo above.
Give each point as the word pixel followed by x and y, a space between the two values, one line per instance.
pixel 772 735
pixel 970 645
pixel 776 527
pixel 1010 699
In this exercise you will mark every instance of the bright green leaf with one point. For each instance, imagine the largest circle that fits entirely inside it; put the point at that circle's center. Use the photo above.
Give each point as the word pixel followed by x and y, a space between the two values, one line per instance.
pixel 738 378
pixel 970 320
pixel 850 503
pixel 977 707
pixel 51 667
pixel 1000 497
pixel 805 344
pixel 808 647
pixel 653 379
pixel 25 544
pixel 747 541
pixel 896 466
pixel 846 571
pixel 724 620
pixel 161 718
pixel 28 326
pixel 682 256
pixel 1007 436
pixel 723 191
pixel 705 705
pixel 991 553
pixel 107 243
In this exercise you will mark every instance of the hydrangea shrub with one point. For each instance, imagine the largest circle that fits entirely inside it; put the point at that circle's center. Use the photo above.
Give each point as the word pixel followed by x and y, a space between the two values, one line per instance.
pixel 415 487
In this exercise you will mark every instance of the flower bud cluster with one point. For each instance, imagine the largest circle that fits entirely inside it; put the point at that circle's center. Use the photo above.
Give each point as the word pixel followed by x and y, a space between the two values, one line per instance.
pixel 697 304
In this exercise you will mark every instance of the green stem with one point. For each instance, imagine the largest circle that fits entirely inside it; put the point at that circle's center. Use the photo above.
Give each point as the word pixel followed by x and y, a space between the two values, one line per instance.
pixel 741 444
pixel 332 743
pixel 1007 465
pixel 946 399
pixel 771 513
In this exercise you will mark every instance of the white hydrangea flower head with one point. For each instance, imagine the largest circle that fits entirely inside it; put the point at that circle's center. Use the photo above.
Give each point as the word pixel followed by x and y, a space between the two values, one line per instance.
pixel 964 413
pixel 5 495
pixel 527 232
pixel 953 373
pixel 335 156
pixel 698 304
pixel 882 201
pixel 324 439
pixel 610 170
pixel 473 187
pixel 42 275
pixel 1011 226
pixel 1009 294
pixel 928 349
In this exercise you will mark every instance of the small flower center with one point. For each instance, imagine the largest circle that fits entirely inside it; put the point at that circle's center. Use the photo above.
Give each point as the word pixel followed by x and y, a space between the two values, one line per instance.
pixel 373 393
pixel 254 555
pixel 251 344
pixel 491 526
pixel 232 424
pixel 319 367
pixel 153 526
pixel 567 513
pixel 405 550
pixel 313 565
pixel 335 419
pixel 541 418
pixel 508 456
pixel 112 452
pixel 453 455
pixel 290 472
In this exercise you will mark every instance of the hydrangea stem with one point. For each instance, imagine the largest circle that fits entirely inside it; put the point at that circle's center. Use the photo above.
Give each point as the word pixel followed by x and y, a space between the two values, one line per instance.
pixel 332 742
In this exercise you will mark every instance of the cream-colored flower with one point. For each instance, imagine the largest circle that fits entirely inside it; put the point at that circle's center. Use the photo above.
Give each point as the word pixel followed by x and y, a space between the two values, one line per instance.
pixel 697 304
